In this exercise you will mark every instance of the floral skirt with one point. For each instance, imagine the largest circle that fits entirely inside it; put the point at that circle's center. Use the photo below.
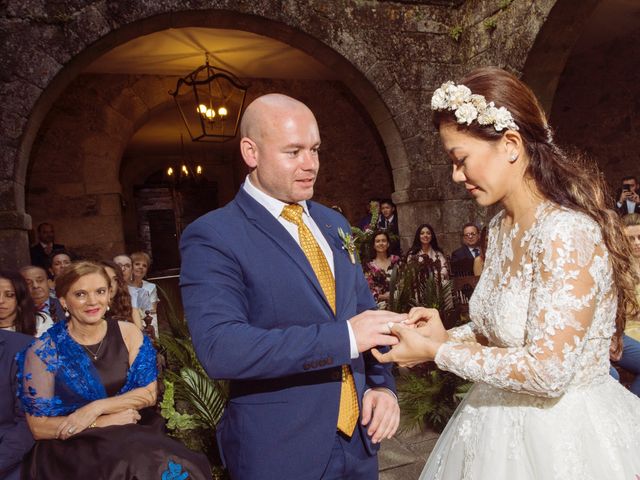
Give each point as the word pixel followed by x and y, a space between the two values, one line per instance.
pixel 589 433
pixel 126 452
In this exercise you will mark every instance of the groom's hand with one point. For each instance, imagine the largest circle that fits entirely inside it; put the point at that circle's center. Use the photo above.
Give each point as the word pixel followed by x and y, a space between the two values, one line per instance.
pixel 380 413
pixel 371 328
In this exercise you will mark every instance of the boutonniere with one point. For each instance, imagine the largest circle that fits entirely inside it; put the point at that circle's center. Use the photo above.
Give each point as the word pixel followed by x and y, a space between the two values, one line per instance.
pixel 348 244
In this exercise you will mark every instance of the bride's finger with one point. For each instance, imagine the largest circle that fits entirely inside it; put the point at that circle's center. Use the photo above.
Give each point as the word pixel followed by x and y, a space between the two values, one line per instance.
pixel 382 357
pixel 423 314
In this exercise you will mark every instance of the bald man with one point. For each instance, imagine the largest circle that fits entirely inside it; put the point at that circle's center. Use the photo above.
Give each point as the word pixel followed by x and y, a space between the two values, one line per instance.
pixel 275 304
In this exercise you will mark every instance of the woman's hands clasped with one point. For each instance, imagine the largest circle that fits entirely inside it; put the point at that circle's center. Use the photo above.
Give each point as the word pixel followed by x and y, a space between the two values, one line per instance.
pixel 420 337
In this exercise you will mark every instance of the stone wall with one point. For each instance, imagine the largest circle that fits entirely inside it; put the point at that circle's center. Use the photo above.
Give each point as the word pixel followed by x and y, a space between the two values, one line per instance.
pixel 597 104
pixel 75 180
pixel 391 56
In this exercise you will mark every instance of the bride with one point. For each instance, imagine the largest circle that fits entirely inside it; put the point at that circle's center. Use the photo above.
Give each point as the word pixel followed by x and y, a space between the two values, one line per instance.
pixel 556 287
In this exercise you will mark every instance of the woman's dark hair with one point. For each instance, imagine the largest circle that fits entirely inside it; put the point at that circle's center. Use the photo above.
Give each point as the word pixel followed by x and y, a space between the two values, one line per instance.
pixel 120 307
pixel 26 314
pixel 372 250
pixel 416 246
pixel 570 181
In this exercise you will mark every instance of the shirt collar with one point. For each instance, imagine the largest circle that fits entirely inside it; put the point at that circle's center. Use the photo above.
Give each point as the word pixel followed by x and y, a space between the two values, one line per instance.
pixel 273 205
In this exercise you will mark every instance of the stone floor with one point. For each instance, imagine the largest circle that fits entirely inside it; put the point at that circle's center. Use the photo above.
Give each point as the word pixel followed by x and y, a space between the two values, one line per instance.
pixel 404 456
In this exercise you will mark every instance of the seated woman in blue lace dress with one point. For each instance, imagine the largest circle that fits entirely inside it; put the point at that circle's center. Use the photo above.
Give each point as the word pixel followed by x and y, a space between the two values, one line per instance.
pixel 86 386
pixel 556 287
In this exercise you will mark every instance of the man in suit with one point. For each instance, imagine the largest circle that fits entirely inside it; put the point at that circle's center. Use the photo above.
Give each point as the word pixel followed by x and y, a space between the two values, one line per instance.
pixel 15 437
pixel 36 279
pixel 462 258
pixel 628 197
pixel 277 305
pixel 41 251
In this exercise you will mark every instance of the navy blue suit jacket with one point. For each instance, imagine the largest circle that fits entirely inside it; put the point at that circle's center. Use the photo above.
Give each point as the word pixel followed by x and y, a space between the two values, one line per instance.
pixel 258 317
pixel 15 436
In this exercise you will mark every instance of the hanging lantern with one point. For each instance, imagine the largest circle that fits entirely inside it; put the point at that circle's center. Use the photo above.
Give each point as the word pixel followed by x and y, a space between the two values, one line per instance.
pixel 210 101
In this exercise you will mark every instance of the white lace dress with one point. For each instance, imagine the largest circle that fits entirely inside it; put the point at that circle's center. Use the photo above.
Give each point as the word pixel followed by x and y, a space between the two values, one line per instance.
pixel 543 406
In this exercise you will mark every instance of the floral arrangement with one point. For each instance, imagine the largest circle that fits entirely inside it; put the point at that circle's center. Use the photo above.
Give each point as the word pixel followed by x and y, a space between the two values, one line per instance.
pixel 468 107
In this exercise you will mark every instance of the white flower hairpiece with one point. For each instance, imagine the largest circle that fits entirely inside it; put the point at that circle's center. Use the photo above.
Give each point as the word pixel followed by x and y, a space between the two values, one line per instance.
pixel 468 107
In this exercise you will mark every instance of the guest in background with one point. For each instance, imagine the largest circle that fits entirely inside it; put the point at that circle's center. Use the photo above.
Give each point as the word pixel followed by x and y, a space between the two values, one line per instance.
pixel 366 222
pixel 59 260
pixel 119 299
pixel 49 310
pixel 478 262
pixel 631 224
pixel 46 245
pixel 17 312
pixel 141 264
pixel 425 245
pixel 85 385
pixel 139 296
pixel 462 259
pixel 629 358
pixel 388 220
pixel 628 198
pixel 15 437
pixel 378 270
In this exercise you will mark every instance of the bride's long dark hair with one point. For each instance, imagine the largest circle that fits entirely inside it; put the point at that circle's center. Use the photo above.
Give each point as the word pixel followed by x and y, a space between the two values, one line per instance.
pixel 571 181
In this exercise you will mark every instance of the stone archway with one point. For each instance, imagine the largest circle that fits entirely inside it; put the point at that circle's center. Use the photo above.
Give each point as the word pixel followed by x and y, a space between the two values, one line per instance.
pixel 27 129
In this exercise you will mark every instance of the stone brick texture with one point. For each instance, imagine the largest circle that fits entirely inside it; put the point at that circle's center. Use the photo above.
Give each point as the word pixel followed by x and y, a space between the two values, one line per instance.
pixel 389 57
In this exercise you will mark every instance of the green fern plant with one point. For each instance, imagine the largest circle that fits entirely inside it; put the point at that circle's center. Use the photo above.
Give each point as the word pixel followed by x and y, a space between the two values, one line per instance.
pixel 192 403
pixel 429 399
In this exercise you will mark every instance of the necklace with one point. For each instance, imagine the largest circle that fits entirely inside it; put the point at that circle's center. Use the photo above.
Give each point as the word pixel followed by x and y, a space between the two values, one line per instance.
pixel 97 352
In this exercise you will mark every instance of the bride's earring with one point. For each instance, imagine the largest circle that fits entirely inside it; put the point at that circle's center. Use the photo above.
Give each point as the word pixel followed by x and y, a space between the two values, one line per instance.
pixel 513 158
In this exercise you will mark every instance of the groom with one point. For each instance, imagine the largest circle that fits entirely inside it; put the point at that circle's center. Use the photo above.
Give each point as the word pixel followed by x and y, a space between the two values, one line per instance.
pixel 275 304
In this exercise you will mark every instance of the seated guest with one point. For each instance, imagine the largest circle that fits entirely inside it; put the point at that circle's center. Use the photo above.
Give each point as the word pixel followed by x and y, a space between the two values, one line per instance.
pixel 366 222
pixel 628 197
pixel 388 221
pixel 86 386
pixel 629 356
pixel 140 298
pixel 425 245
pixel 119 299
pixel 48 309
pixel 478 262
pixel 15 438
pixel 46 245
pixel 17 312
pixel 141 263
pixel 378 270
pixel 58 261
pixel 462 258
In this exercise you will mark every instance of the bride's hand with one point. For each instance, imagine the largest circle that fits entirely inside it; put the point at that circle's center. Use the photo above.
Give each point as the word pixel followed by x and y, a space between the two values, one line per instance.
pixel 428 323
pixel 413 348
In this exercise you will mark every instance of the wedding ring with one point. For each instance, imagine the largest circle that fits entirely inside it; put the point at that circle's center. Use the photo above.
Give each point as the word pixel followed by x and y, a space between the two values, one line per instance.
pixel 390 325
pixel 71 429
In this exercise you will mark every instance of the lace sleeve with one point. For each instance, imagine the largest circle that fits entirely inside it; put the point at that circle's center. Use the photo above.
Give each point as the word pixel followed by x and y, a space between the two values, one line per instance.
pixel 464 333
pixel 569 269
pixel 37 367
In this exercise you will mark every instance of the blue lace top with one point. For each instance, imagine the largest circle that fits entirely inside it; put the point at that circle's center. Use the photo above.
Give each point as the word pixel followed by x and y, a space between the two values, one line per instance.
pixel 56 377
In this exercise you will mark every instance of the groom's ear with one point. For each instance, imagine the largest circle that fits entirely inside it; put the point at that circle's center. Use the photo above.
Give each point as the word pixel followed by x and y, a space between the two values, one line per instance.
pixel 249 151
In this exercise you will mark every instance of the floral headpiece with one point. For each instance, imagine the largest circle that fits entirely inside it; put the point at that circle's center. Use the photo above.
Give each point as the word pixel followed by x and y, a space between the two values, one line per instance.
pixel 468 107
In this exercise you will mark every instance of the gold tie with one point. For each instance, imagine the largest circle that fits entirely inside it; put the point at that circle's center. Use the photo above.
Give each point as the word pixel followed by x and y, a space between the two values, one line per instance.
pixel 348 413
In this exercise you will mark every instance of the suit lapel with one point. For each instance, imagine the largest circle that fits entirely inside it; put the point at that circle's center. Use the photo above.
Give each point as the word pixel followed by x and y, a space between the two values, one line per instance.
pixel 265 222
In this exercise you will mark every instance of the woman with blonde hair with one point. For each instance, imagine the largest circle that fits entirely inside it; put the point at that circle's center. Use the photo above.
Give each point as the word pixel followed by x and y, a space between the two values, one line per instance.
pixel 86 386
pixel 556 287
